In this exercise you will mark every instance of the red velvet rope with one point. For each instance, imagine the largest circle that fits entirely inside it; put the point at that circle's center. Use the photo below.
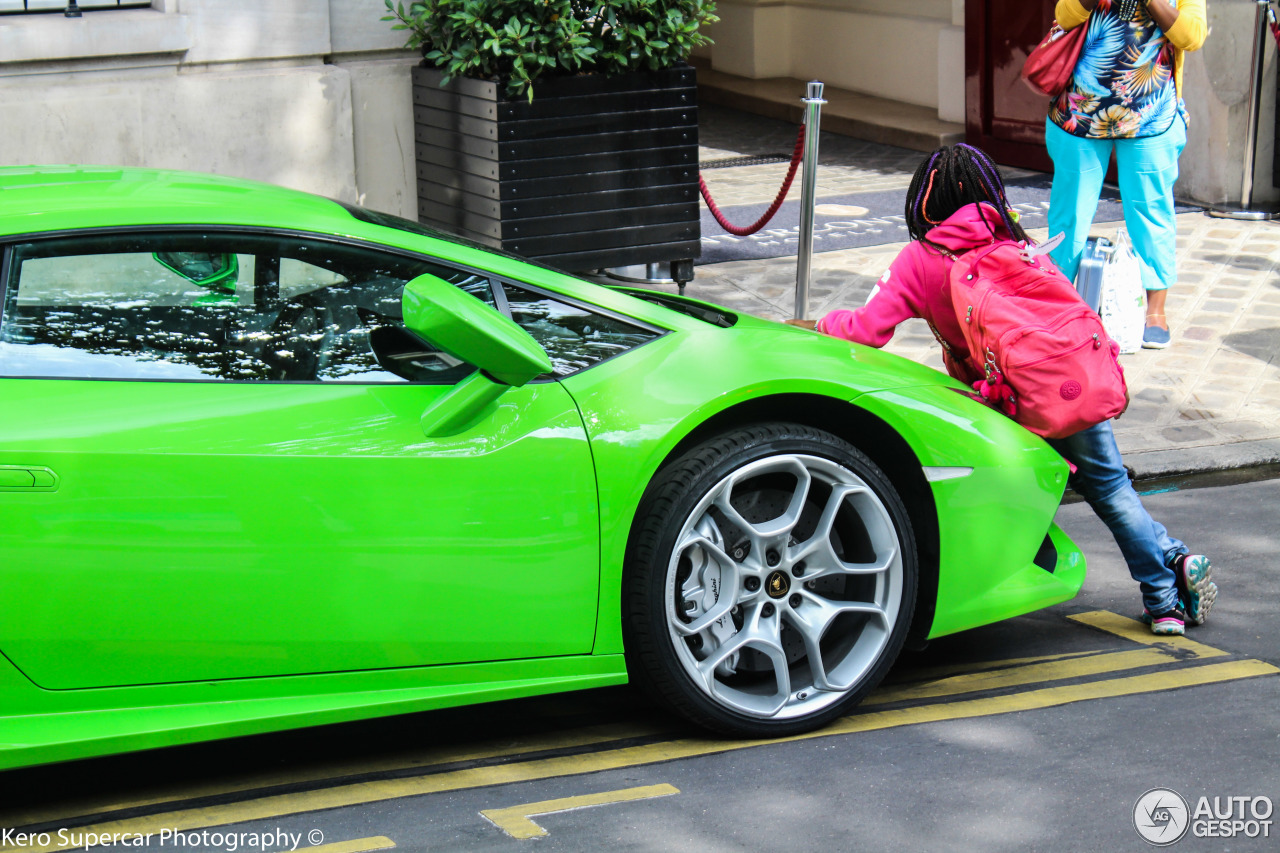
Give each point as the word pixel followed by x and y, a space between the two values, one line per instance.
pixel 773 208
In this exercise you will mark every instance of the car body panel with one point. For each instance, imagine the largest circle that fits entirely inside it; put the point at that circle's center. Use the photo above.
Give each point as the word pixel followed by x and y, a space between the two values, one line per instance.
pixel 211 530
pixel 987 543
pixel 40 727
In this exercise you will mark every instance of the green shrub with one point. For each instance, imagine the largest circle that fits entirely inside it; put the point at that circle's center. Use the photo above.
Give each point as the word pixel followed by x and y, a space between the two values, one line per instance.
pixel 518 41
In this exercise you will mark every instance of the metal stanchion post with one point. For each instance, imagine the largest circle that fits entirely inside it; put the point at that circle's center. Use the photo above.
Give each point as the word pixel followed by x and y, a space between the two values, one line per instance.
pixel 1247 209
pixel 808 183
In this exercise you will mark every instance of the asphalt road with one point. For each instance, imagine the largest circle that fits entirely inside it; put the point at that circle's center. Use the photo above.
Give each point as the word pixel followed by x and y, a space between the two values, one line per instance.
pixel 1040 733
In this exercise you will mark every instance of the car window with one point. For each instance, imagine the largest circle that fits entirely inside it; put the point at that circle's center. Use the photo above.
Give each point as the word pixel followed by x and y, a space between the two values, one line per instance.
pixel 574 337
pixel 231 307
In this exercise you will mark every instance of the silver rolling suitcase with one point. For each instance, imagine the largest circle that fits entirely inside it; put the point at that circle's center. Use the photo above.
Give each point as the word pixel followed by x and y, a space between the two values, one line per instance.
pixel 1097 251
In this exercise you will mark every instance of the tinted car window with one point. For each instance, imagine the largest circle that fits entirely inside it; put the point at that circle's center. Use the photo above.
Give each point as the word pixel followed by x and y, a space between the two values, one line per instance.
pixel 573 336
pixel 238 307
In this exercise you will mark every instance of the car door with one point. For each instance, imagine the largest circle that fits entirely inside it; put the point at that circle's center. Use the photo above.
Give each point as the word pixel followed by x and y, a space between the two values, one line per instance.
pixel 211 466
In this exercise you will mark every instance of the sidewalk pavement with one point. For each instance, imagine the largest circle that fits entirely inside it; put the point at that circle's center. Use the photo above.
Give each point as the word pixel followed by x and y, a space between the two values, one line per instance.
pixel 1211 401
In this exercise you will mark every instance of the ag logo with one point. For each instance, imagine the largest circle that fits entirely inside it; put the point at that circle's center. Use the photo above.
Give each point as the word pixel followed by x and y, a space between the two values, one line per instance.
pixel 1161 816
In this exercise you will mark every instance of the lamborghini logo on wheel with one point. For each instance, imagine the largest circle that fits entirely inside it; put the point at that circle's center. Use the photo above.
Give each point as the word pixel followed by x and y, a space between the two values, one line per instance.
pixel 778 585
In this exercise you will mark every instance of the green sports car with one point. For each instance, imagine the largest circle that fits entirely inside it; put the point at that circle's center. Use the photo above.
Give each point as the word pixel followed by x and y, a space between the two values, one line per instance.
pixel 268 460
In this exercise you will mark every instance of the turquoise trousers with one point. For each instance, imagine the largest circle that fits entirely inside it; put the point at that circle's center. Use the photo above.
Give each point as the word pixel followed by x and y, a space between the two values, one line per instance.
pixel 1147 167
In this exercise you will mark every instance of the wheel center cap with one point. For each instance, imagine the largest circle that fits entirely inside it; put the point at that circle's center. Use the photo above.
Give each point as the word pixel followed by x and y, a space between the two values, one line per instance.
pixel 778 584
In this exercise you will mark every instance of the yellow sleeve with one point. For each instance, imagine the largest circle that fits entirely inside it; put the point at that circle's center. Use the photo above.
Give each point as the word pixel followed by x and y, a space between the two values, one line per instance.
pixel 1191 28
pixel 1070 14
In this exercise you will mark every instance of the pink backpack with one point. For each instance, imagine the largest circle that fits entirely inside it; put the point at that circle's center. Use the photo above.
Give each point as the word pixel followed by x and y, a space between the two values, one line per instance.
pixel 1042 353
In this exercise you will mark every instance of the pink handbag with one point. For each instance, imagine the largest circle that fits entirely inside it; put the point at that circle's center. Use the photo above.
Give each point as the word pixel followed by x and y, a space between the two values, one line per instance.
pixel 1049 67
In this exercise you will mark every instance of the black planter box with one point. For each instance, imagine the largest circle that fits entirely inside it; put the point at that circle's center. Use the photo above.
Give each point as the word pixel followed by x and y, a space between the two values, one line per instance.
pixel 596 172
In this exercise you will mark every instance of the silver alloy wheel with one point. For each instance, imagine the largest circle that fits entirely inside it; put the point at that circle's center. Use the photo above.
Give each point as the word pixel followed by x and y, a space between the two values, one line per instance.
pixel 784 586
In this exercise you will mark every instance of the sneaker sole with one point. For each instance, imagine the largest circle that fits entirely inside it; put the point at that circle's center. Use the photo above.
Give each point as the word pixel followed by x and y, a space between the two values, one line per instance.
pixel 1199 590
pixel 1153 345
pixel 1168 626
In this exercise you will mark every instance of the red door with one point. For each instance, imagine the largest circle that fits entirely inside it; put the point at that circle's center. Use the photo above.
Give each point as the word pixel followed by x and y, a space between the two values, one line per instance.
pixel 1002 115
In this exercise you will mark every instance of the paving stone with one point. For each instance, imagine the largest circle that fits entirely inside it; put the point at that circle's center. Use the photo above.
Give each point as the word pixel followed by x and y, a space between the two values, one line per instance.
pixel 1220 306
pixel 1185 434
pixel 1198 333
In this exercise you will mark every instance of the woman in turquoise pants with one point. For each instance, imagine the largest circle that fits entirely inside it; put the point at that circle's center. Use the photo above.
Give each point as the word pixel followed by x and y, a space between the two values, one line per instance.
pixel 1125 95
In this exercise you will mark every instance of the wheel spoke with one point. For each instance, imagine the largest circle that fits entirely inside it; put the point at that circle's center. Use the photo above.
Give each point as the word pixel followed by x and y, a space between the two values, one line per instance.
pixel 816 614
pixel 761 635
pixel 819 552
pixel 880 564
pixel 777 528
pixel 811 621
pixel 819 544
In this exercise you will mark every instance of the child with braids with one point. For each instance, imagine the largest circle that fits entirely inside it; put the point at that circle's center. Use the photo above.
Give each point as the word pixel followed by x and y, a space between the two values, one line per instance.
pixel 956 203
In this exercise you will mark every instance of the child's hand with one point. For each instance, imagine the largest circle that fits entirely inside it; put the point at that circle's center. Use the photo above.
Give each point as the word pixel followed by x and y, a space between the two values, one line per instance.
pixel 803 324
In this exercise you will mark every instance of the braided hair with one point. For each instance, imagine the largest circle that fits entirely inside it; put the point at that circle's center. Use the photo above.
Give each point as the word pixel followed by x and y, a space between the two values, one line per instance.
pixel 953 176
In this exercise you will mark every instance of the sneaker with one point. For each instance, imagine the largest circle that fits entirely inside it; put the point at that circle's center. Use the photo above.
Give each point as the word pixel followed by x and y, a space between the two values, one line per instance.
pixel 1154 337
pixel 1197 591
pixel 1172 621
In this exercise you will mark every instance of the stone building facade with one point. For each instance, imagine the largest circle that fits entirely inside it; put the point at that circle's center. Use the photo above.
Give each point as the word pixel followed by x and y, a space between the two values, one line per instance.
pixel 315 94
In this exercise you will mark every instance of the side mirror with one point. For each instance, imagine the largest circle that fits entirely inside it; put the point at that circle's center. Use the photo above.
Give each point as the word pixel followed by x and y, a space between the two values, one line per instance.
pixel 215 271
pixel 468 329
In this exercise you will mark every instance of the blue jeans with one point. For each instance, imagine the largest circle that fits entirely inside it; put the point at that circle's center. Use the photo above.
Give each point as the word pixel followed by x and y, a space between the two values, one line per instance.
pixel 1147 169
pixel 1101 480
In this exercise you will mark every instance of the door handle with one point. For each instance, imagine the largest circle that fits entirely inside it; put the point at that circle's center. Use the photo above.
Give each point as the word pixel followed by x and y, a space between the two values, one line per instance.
pixel 27 478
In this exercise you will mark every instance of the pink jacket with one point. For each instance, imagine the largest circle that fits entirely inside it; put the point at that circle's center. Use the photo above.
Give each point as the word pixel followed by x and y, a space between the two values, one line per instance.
pixel 916 285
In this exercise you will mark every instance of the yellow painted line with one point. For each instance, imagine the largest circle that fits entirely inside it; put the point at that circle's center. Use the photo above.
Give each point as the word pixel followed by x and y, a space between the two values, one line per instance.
pixel 1030 674
pixel 424 758
pixel 517 822
pixel 359 845
pixel 390 789
pixel 1050 697
pixel 916 676
pixel 69 809
pixel 1132 629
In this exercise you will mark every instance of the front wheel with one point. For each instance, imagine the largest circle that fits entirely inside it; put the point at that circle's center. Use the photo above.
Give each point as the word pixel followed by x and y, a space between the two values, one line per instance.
pixel 770 581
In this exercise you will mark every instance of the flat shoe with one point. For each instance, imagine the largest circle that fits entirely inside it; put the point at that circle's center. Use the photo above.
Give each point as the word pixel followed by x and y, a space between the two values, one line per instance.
pixel 1154 337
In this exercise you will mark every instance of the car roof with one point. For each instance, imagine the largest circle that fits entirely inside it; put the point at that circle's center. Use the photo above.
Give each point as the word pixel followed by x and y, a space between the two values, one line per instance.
pixel 56 198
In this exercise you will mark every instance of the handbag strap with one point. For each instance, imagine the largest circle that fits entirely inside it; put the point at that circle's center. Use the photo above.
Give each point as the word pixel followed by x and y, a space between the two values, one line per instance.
pixel 946 347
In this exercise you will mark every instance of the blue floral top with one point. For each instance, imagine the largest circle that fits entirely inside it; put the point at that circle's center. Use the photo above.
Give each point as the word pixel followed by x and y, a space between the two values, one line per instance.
pixel 1123 85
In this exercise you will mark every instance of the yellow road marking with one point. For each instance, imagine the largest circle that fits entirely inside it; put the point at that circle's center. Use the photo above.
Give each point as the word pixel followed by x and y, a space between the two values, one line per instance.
pixel 389 789
pixel 359 845
pixel 1050 697
pixel 930 673
pixel 435 755
pixel 923 686
pixel 1135 631
pixel 1030 674
pixel 517 822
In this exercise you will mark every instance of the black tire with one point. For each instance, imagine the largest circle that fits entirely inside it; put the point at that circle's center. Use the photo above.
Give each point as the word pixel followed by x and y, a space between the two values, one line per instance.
pixel 776 615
